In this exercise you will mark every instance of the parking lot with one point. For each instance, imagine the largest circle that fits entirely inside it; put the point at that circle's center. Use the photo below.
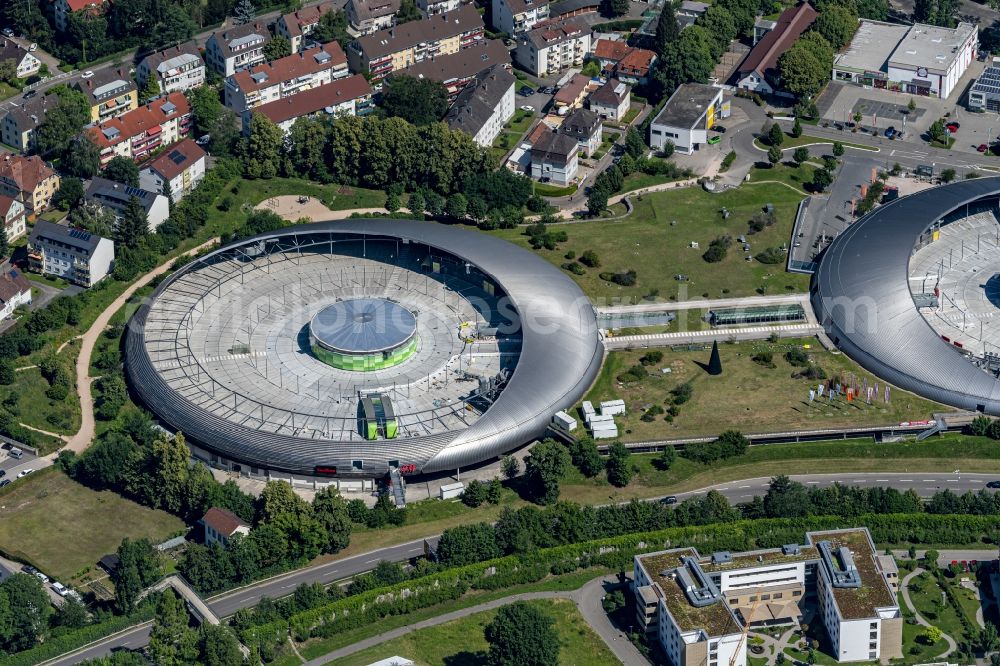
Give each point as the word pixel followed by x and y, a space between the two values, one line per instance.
pixel 12 466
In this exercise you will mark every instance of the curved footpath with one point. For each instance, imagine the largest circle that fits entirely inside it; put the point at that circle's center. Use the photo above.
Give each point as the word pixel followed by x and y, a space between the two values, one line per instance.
pixel 904 588
pixel 587 600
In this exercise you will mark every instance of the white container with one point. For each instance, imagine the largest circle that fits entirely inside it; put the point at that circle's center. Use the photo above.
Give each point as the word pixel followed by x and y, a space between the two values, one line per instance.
pixel 452 490
pixel 609 433
pixel 601 418
pixel 565 421
pixel 613 407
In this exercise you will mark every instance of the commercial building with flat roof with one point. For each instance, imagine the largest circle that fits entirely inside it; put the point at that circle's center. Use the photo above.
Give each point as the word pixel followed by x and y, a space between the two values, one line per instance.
pixel 686 118
pixel 984 95
pixel 918 59
pixel 698 606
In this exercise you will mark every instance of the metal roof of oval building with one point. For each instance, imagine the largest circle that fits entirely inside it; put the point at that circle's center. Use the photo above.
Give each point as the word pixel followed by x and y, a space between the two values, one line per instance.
pixel 862 297
pixel 561 355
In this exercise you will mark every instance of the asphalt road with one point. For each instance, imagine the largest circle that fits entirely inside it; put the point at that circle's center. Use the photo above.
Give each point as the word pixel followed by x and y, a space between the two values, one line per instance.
pixel 925 483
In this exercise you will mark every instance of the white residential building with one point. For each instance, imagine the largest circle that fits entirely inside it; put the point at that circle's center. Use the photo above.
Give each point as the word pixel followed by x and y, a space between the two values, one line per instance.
pixel 177 170
pixel 117 196
pixel 517 16
pixel 343 97
pixel 175 69
pixel 61 9
pixel 285 77
pixel 13 215
pixel 587 128
pixel 370 16
pixel 553 47
pixel 686 118
pixel 236 48
pixel 432 7
pixel 554 158
pixel 73 254
pixel 612 100
pixel 140 132
pixel 15 291
pixel 25 63
pixel 484 106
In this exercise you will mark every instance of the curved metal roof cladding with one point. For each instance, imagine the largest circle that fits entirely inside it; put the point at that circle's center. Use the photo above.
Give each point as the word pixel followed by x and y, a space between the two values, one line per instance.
pixel 363 326
pixel 861 295
pixel 560 356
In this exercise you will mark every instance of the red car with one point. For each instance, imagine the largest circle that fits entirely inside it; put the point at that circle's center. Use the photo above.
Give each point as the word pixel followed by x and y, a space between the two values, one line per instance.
pixel 982 148
pixel 952 127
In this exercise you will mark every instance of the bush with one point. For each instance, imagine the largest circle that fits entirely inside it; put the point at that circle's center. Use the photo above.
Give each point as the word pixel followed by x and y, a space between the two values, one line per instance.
pixel 765 359
pixel 650 414
pixel 797 357
pixel 772 255
pixel 625 278
pixel 651 357
pixel 634 374
pixel 980 426
pixel 727 161
pixel 589 258
pixel 681 393
pixel 716 251
pixel 574 267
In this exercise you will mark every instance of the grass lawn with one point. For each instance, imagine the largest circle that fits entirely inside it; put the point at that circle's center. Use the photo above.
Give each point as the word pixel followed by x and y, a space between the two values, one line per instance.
pixel 7 90
pixel 547 190
pixel 638 180
pixel 35 409
pixel 512 133
pixel 858 455
pixel 928 598
pixel 912 634
pixel 795 177
pixel 49 280
pixel 649 243
pixel 631 114
pixel 461 642
pixel 966 598
pixel 747 396
pixel 62 527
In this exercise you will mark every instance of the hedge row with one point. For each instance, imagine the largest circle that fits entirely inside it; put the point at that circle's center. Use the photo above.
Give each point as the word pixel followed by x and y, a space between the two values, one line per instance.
pixel 616 553
pixel 54 647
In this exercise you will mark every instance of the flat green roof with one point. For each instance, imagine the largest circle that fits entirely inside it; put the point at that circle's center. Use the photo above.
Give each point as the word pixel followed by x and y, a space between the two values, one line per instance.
pixel 859 603
pixel 715 619
pixel 761 558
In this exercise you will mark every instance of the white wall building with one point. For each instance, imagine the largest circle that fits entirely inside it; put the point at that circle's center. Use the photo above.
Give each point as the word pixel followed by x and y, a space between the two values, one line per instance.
pixel 75 255
pixel 178 169
pixel 25 63
pixel 175 69
pixel 484 106
pixel 285 77
pixel 236 48
pixel 686 118
pixel 15 291
pixel 13 215
pixel 117 196
pixel 612 100
pixel 432 7
pixel 343 97
pixel 552 48
pixel 554 158
pixel 517 16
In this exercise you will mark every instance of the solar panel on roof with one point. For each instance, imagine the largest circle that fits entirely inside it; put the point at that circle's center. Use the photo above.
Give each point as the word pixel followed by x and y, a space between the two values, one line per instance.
pixel 135 192
pixel 177 157
pixel 79 233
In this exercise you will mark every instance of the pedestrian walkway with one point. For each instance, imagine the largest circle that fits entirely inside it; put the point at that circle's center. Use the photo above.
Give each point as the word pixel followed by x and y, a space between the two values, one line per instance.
pixel 683 337
pixel 587 600
pixel 904 588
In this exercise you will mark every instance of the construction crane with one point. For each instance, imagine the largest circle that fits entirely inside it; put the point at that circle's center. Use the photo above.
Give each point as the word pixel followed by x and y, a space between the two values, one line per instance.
pixel 746 627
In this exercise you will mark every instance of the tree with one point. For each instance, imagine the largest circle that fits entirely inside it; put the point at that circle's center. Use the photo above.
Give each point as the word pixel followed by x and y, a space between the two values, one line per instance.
pixel 805 66
pixel 170 456
pixel 392 203
pixel 989 638
pixel 331 511
pixel 8 71
pixel 800 155
pixel 244 12
pixel 775 135
pixel 821 180
pixel 911 105
pixel 218 646
pixel 64 122
pixel 122 170
pixel 478 208
pixel 70 615
pixel 522 635
pixel 70 193
pixel 418 101
pixel 509 466
pixel 114 395
pixel 634 145
pixel 416 204
pixel 27 612
pixel 786 499
pixel 474 494
pixel 138 568
pixel 277 47
pixel 838 149
pixel 132 225
pixel 619 467
pixel 82 158
pixel 332 27
pixel 618 7
pixel 457 206
pixel 171 641
pixel 150 90
pixel 585 457
pixel 666 458
pixel 837 24
pixel 206 108
pixel 796 128
pixel 408 11
pixel 264 146
pixel 597 201
pixel 667 30
pixel 544 467
pixel 947 175
pixel 774 154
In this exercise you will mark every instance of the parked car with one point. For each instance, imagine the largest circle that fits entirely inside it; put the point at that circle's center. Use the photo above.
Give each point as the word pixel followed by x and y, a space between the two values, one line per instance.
pixel 993 484
pixel 60 589
pixel 5 482
pixel 669 499
pixel 15 453
pixel 33 47
pixel 982 148
pixel 952 127
pixel 550 90
pixel 28 569
pixel 712 140
pixel 87 74
pixel 526 91
pixel 24 472
pixel 8 32
pixel 528 108
pixel 42 577
pixel 890 132
pixel 3 473
pixel 30 94
pixel 721 129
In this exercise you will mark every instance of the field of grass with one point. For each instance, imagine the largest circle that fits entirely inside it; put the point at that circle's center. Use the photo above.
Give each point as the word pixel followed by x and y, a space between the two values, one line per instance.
pixel 461 642
pixel 650 243
pixel 549 190
pixel 795 177
pixel 62 527
pixel 746 396
pixel 35 409
pixel 928 598
pixel 7 90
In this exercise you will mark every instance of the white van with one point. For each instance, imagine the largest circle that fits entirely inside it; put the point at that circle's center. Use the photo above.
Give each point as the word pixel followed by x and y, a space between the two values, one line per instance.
pixel 16 453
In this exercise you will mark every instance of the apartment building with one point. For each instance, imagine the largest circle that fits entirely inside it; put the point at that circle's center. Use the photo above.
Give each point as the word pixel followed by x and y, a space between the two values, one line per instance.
pixel 25 63
pixel 554 158
pixel 235 48
pixel 15 291
pixel 297 26
pixel 433 7
pixel 518 16
pixel 177 170
pixel 138 133
pixel 612 100
pixel 484 106
pixel 116 197
pixel 343 97
pixel 61 9
pixel 13 216
pixel 369 16
pixel 30 180
pixel 587 128
pixel 386 51
pixel 553 47
pixel 285 77
pixel 635 65
pixel 457 70
pixel 73 254
pixel 697 607
pixel 175 69
pixel 110 93
pixel 22 117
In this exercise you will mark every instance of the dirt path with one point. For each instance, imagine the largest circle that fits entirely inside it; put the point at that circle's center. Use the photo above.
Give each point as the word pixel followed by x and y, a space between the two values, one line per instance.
pixel 64 438
pixel 288 207
pixel 83 437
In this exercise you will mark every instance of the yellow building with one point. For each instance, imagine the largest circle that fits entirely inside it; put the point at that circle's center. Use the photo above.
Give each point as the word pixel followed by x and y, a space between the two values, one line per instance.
pixel 30 180
pixel 110 93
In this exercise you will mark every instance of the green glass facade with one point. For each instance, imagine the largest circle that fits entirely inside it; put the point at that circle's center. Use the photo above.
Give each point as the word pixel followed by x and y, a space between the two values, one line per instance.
pixel 366 362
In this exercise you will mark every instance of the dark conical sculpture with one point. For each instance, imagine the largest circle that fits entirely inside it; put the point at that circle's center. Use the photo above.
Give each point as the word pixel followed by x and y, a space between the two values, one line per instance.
pixel 715 362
